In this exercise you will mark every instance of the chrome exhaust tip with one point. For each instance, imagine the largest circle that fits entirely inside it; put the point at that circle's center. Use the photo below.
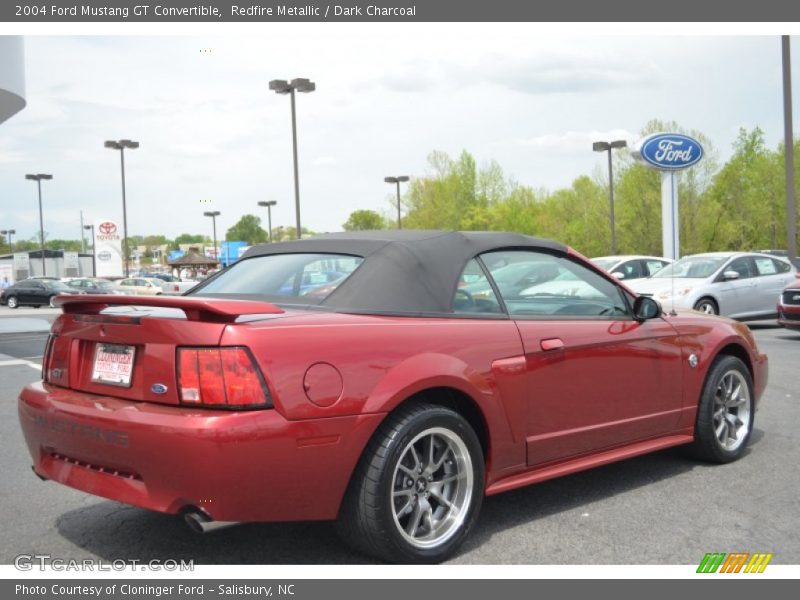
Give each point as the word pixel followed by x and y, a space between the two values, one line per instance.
pixel 200 522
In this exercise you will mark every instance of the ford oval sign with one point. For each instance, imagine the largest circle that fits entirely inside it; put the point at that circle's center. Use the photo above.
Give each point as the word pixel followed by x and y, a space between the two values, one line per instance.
pixel 669 151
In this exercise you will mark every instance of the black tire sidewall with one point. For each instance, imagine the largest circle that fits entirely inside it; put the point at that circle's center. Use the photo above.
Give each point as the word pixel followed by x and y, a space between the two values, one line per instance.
pixel 440 417
pixel 705 421
pixel 15 301
pixel 698 305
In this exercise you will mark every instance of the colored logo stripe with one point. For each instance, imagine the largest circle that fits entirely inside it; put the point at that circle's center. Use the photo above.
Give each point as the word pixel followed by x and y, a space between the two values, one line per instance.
pixel 758 563
pixel 734 563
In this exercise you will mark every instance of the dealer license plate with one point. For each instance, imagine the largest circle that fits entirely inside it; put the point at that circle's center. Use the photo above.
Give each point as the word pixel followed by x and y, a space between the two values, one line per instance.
pixel 113 364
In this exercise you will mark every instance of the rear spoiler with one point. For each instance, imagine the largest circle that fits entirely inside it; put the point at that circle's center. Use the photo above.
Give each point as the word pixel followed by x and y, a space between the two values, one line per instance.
pixel 196 308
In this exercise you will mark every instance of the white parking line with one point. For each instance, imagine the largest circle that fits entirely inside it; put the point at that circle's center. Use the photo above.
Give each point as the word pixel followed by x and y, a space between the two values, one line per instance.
pixel 19 361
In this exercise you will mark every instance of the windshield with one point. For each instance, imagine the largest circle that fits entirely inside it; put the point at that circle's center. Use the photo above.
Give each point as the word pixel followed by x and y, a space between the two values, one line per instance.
pixel 57 285
pixel 605 263
pixel 301 278
pixel 692 267
pixel 103 285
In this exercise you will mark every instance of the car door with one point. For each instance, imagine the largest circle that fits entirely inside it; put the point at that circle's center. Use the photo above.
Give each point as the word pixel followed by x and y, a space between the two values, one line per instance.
pixel 737 297
pixel 23 292
pixel 630 269
pixel 772 276
pixel 596 378
pixel 37 293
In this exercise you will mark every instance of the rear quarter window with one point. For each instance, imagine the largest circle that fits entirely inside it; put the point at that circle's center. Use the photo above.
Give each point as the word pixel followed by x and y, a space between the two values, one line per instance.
pixel 301 278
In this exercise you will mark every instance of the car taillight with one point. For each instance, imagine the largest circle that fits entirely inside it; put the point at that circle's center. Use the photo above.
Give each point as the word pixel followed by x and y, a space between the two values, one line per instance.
pixel 221 378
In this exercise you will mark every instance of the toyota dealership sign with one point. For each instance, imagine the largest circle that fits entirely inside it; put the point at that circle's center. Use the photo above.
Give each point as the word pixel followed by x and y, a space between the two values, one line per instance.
pixel 108 248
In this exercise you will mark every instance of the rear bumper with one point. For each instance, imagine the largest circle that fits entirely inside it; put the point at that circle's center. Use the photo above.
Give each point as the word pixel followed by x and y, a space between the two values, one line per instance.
pixel 789 316
pixel 235 466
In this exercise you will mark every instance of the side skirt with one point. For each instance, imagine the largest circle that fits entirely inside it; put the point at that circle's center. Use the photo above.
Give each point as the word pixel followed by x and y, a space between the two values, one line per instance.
pixel 586 462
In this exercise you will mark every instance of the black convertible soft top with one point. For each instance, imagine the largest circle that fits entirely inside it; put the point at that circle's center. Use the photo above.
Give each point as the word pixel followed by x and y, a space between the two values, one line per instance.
pixel 405 271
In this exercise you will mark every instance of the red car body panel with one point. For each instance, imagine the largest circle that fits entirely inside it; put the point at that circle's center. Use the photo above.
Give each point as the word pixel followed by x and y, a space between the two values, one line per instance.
pixel 553 397
pixel 789 307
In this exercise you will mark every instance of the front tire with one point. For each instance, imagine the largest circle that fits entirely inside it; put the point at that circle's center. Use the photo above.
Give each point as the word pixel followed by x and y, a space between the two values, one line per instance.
pixel 418 488
pixel 707 306
pixel 726 411
pixel 12 302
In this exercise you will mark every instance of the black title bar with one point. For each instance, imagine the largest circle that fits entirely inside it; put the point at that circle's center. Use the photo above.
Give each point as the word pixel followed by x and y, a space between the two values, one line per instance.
pixel 153 11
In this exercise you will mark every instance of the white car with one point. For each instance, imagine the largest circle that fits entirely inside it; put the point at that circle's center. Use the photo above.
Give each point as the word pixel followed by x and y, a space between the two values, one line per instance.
pixel 740 285
pixel 140 286
pixel 176 288
pixel 627 267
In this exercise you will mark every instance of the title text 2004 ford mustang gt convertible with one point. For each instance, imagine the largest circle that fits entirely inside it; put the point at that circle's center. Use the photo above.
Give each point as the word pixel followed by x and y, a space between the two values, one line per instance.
pixel 355 377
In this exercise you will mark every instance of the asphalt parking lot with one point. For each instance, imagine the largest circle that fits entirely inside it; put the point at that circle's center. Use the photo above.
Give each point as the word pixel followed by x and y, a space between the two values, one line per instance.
pixel 656 509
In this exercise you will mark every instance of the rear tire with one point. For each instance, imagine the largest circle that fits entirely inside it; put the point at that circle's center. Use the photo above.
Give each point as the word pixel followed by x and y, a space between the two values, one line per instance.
pixel 725 413
pixel 707 306
pixel 418 488
pixel 51 304
pixel 12 302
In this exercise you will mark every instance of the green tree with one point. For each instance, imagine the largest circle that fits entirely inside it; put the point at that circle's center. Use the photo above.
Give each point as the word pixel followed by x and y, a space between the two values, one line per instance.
pixel 361 220
pixel 747 197
pixel 190 238
pixel 248 229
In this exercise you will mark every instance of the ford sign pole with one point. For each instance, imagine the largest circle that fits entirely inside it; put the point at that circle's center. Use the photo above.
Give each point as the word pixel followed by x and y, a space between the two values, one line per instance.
pixel 669 152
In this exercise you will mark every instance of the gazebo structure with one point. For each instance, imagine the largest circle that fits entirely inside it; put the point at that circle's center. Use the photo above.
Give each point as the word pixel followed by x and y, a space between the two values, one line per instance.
pixel 193 260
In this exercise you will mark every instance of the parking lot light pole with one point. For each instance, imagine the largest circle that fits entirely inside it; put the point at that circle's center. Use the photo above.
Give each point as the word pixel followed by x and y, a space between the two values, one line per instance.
pixel 213 214
pixel 269 204
pixel 94 250
pixel 281 86
pixel 397 180
pixel 608 147
pixel 38 179
pixel 9 233
pixel 121 145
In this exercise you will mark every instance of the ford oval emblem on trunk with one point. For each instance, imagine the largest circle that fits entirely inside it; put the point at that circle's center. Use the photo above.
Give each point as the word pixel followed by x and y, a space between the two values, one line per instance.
pixel 668 151
pixel 158 388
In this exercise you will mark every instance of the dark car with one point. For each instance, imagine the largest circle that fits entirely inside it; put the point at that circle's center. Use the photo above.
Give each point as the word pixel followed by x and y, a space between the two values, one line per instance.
pixel 92 285
pixel 35 292
pixel 394 402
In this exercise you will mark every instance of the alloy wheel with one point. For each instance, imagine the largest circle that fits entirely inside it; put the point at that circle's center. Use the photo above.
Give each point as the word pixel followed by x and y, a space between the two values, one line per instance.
pixel 432 487
pixel 732 405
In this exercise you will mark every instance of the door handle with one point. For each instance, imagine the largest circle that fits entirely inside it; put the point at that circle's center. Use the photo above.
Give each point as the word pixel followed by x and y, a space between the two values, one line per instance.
pixel 552 344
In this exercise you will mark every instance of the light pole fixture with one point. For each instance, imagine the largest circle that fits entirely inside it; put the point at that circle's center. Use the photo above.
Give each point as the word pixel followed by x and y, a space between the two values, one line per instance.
pixel 269 204
pixel 281 86
pixel 9 233
pixel 94 250
pixel 213 214
pixel 38 179
pixel 608 147
pixel 399 179
pixel 121 145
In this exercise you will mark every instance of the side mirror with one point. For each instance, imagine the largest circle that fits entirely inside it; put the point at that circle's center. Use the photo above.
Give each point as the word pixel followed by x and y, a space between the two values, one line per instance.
pixel 645 307
pixel 730 275
pixel 618 275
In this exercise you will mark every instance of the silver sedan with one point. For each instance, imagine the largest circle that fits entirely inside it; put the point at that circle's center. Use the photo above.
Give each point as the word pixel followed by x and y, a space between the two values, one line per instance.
pixel 741 285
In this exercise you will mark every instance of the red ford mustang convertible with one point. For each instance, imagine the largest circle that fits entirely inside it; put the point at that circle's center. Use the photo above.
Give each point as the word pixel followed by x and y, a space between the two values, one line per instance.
pixel 388 380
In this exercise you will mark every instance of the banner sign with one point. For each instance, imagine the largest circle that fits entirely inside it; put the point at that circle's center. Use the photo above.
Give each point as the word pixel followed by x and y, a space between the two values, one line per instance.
pixel 108 248
pixel 22 262
pixel 71 260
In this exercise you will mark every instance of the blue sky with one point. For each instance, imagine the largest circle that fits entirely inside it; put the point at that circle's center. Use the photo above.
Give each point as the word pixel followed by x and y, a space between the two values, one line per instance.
pixel 386 97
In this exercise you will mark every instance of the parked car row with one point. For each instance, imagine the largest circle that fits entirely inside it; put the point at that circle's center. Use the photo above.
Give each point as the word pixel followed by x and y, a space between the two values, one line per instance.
pixel 40 291
pixel 740 285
